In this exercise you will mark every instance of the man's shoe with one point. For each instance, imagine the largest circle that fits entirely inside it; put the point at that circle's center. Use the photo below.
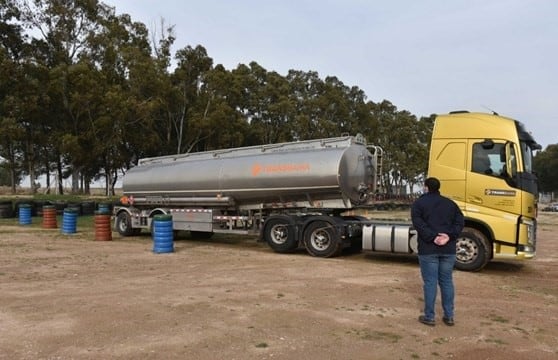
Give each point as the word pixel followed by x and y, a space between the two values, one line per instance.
pixel 426 321
pixel 448 321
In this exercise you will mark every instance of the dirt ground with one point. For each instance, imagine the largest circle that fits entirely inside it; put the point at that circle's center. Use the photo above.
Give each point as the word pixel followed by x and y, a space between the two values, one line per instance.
pixel 70 297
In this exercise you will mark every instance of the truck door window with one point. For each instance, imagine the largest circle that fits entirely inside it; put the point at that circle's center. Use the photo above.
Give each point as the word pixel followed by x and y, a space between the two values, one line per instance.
pixel 488 161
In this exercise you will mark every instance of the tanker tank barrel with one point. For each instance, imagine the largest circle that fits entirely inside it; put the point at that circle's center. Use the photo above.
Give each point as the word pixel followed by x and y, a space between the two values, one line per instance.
pixel 336 172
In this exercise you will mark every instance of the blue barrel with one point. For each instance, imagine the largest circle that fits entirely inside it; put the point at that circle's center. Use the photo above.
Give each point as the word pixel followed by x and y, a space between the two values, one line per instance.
pixel 163 234
pixel 104 207
pixel 25 214
pixel 69 221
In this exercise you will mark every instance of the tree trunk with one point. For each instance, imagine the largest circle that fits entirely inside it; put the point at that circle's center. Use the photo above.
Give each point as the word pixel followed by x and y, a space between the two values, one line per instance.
pixel 47 178
pixel 75 180
pixel 60 179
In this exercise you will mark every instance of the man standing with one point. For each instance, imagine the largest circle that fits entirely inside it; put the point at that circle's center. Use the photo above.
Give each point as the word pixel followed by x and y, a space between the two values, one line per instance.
pixel 438 221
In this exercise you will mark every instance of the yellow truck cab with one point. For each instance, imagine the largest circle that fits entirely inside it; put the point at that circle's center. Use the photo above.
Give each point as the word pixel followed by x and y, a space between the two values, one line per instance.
pixel 484 162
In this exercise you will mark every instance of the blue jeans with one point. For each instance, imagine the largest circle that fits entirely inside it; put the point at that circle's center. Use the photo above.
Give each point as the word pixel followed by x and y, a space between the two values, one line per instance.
pixel 437 269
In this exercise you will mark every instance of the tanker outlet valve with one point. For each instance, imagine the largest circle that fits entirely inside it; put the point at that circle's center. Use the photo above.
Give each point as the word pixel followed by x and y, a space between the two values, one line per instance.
pixel 362 193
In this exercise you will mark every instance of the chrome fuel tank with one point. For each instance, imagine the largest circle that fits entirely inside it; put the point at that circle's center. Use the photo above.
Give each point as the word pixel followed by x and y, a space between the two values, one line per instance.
pixel 312 171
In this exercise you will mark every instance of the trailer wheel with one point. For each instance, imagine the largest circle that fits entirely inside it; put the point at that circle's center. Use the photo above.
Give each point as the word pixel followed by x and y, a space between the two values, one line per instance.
pixel 124 224
pixel 473 250
pixel 279 233
pixel 320 239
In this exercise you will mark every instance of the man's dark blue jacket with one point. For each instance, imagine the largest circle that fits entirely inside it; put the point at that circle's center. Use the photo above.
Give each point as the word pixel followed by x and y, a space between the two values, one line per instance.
pixel 432 214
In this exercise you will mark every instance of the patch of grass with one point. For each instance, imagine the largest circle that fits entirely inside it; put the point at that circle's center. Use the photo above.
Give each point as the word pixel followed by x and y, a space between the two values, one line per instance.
pixel 262 345
pixel 83 222
pixel 366 334
pixel 441 341
pixel 521 330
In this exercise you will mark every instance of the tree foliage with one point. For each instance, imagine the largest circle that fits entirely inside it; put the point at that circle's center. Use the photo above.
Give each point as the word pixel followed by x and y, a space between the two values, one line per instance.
pixel 85 92
pixel 546 166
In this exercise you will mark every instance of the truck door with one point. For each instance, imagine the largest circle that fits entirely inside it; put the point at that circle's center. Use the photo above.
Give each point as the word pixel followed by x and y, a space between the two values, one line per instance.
pixel 488 179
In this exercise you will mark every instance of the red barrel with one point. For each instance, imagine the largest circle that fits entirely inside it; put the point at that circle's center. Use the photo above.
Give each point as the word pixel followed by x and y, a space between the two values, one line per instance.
pixel 49 217
pixel 103 231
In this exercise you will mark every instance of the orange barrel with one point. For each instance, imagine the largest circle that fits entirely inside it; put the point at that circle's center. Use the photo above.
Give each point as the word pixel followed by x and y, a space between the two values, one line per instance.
pixel 103 231
pixel 49 217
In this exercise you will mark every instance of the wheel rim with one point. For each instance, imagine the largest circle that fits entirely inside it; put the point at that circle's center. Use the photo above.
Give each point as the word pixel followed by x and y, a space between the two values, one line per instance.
pixel 123 224
pixel 467 250
pixel 279 234
pixel 320 240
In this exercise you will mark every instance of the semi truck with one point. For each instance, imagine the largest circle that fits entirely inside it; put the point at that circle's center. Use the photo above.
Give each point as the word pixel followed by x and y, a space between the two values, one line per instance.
pixel 311 193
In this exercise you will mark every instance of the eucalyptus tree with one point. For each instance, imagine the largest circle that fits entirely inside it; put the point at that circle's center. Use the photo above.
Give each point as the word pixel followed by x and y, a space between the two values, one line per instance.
pixel 326 108
pixel 305 90
pixel 184 127
pixel 14 126
pixel 546 166
pixel 278 109
pixel 225 117
pixel 334 108
pixel 61 31
pixel 404 143
pixel 261 93
pixel 123 129
pixel 243 95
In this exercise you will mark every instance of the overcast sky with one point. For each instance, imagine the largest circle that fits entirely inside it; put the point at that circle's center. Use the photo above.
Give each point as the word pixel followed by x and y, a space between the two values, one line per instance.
pixel 424 56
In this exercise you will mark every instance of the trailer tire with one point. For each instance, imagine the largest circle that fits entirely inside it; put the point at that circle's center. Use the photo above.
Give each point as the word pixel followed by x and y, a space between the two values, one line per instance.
pixel 321 239
pixel 124 224
pixel 473 250
pixel 279 233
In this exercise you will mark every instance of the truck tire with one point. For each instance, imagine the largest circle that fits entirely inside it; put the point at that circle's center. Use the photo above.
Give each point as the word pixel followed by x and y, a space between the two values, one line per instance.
pixel 124 224
pixel 473 250
pixel 279 233
pixel 321 239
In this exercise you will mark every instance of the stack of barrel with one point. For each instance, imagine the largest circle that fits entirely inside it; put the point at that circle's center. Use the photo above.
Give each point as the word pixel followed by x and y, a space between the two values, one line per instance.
pixel 163 234
pixel 103 231
pixel 69 221
pixel 25 217
pixel 49 217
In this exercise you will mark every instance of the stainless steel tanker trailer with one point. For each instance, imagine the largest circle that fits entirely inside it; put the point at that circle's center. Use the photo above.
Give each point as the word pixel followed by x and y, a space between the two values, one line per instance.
pixel 289 194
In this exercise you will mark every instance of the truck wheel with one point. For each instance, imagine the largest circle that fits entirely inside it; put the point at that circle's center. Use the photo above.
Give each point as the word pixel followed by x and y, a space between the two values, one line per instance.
pixel 124 224
pixel 320 239
pixel 473 250
pixel 279 233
